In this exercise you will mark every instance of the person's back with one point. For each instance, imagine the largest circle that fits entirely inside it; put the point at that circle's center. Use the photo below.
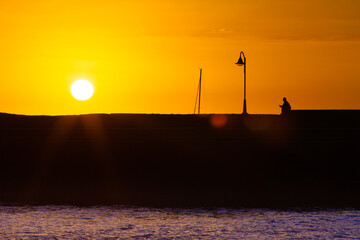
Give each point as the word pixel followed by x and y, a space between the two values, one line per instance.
pixel 285 108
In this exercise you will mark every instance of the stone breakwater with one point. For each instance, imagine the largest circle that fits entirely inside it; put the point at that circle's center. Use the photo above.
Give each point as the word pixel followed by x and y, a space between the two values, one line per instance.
pixel 303 159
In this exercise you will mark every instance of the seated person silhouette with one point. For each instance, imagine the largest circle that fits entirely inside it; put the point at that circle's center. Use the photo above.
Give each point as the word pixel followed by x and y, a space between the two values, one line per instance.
pixel 285 108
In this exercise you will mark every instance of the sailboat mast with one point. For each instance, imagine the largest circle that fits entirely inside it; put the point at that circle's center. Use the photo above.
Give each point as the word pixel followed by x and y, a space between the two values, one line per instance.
pixel 199 91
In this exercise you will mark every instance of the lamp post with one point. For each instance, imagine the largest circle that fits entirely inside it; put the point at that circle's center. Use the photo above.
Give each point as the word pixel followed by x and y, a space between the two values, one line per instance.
pixel 240 62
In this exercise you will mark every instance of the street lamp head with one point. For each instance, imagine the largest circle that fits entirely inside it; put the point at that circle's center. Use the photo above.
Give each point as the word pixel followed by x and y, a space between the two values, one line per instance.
pixel 241 61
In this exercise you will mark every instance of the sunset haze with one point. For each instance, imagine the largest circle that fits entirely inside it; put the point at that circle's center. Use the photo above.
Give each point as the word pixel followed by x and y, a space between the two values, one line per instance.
pixel 144 56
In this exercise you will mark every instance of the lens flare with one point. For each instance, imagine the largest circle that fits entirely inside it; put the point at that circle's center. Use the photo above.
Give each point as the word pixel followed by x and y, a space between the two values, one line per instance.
pixel 218 120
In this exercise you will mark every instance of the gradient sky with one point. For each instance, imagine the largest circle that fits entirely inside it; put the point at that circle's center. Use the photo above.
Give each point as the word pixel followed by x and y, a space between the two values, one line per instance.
pixel 144 56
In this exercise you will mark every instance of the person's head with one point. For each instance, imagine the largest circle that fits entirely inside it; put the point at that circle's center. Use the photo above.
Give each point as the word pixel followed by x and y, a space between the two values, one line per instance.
pixel 284 99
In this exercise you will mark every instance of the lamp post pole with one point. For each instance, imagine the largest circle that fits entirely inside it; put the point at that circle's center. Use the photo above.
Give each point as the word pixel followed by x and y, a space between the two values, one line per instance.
pixel 241 62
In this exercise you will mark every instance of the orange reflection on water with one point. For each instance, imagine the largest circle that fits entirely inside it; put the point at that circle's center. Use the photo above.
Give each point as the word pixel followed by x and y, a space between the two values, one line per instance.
pixel 218 120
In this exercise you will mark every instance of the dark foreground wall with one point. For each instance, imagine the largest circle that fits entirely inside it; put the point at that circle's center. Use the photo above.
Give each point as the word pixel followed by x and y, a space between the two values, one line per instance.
pixel 304 159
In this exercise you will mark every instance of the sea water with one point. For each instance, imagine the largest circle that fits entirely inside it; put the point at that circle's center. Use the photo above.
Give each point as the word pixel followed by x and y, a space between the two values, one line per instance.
pixel 121 222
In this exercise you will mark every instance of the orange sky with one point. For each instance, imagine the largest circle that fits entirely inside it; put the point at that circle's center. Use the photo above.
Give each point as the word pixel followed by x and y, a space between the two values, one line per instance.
pixel 144 56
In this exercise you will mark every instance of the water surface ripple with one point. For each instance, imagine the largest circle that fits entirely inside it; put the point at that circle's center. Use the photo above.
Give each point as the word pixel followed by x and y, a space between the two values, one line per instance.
pixel 120 222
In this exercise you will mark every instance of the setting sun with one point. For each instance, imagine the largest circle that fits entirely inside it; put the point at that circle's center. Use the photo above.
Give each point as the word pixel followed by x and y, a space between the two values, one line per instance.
pixel 82 90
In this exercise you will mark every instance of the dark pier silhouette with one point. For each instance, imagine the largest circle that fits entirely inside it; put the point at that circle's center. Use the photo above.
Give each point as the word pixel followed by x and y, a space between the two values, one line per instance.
pixel 306 158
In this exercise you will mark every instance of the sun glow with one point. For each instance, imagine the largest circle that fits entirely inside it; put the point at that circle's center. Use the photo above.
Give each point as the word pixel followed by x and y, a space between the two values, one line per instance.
pixel 82 90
